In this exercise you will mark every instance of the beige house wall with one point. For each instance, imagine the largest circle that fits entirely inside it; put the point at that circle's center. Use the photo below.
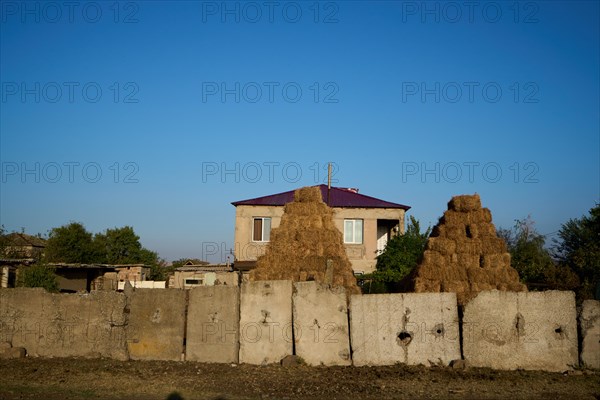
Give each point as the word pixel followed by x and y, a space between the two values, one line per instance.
pixel 207 278
pixel 362 255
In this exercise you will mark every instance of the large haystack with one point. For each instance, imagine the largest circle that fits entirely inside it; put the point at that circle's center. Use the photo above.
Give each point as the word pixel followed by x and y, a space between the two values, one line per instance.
pixel 464 254
pixel 304 242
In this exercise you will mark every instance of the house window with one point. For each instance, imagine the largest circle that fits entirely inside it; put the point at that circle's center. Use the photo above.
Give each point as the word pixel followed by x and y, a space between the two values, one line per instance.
pixel 261 229
pixel 193 282
pixel 353 231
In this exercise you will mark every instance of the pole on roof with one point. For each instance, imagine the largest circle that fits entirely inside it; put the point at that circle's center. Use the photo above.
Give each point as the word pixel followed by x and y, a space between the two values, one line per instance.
pixel 328 181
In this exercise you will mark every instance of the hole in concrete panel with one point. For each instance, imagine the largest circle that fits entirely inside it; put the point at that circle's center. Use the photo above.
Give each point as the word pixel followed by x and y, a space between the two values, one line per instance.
pixel 559 333
pixel 404 338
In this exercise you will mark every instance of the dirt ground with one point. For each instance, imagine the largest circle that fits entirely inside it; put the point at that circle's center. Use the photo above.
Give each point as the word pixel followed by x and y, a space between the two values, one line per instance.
pixel 53 379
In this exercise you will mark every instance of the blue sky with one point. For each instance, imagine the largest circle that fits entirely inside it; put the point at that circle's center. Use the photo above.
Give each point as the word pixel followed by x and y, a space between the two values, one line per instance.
pixel 159 114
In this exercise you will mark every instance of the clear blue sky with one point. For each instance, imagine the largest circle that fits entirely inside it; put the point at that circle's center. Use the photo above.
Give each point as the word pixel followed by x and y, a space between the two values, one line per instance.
pixel 161 97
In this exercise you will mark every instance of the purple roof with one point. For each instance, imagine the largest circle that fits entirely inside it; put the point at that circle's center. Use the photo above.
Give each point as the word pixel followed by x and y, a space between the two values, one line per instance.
pixel 338 197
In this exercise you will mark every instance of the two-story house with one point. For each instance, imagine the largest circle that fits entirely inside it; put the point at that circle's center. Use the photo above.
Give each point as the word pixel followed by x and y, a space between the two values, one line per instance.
pixel 367 223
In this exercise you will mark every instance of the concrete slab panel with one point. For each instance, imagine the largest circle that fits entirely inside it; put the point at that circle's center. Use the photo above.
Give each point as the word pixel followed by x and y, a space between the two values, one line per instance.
pixel 156 324
pixel 266 333
pixel 88 325
pixel 589 320
pixel 410 328
pixel 321 332
pixel 521 330
pixel 213 324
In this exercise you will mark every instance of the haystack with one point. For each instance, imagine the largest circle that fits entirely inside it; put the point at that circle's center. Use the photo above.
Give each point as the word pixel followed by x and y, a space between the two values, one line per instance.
pixel 303 243
pixel 464 254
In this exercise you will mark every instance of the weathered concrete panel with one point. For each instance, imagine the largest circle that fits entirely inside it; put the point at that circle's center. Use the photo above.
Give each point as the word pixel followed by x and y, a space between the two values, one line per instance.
pixel 411 328
pixel 321 324
pixel 213 324
pixel 64 325
pixel 266 322
pixel 156 324
pixel 521 330
pixel 589 320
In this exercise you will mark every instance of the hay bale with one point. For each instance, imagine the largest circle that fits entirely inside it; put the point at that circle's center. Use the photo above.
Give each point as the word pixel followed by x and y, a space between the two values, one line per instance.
pixel 442 245
pixel 438 231
pixel 483 215
pixel 465 203
pixel 468 246
pixel 310 194
pixel 464 254
pixel 466 260
pixel 456 231
pixel 303 243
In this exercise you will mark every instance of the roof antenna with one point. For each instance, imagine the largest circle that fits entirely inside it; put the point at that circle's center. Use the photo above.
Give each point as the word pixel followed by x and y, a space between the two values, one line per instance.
pixel 328 181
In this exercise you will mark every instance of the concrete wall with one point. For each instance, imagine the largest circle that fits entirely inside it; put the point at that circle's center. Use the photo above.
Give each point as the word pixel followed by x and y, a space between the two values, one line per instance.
pixel 362 256
pixel 589 320
pixel 415 328
pixel 156 324
pixel 501 330
pixel 321 333
pixel 521 330
pixel 266 333
pixel 213 324
pixel 64 325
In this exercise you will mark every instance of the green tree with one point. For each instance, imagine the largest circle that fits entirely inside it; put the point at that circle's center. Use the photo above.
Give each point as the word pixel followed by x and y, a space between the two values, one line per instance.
pixel 38 275
pixel 528 255
pixel 70 243
pixel 533 261
pixel 578 248
pixel 119 246
pixel 400 256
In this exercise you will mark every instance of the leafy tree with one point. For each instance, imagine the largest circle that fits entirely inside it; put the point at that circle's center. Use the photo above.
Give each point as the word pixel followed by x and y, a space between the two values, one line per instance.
pixel 400 256
pixel 38 275
pixel 70 243
pixel 578 248
pixel 119 246
pixel 533 261
pixel 528 255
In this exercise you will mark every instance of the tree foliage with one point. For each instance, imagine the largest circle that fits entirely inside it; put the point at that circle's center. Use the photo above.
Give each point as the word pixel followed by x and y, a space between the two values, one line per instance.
pixel 38 275
pixel 120 246
pixel 578 248
pixel 533 261
pixel 528 255
pixel 70 243
pixel 400 256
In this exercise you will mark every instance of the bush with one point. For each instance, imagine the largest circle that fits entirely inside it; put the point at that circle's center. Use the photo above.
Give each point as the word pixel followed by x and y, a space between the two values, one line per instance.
pixel 38 275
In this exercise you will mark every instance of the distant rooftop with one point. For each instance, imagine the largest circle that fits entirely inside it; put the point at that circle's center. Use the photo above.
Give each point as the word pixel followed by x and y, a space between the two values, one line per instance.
pixel 338 197
pixel 23 239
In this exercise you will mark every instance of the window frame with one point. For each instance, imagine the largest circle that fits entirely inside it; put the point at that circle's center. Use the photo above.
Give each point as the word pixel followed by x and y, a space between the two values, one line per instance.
pixel 362 230
pixel 262 233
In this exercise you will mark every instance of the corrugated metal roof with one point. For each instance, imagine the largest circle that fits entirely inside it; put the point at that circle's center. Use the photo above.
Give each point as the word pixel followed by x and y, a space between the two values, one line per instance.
pixel 338 197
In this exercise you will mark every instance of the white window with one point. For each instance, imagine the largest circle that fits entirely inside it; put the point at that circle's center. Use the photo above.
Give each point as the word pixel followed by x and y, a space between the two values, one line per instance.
pixel 353 231
pixel 261 229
